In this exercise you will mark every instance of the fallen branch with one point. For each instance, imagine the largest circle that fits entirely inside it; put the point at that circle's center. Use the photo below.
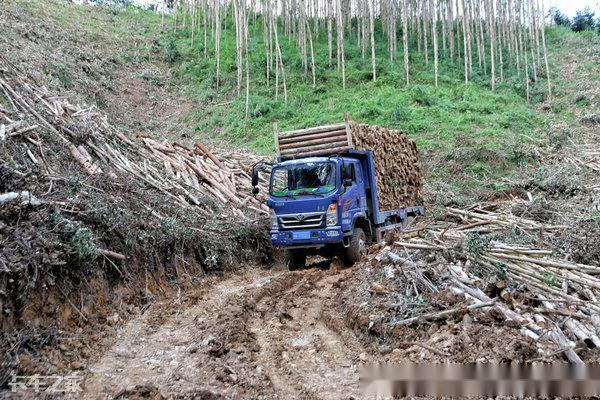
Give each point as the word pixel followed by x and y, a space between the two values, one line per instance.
pixel 445 313
pixel 111 254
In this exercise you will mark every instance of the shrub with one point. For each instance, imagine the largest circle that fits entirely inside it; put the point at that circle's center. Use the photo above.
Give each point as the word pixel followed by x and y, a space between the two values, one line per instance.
pixel 171 52
pixel 559 18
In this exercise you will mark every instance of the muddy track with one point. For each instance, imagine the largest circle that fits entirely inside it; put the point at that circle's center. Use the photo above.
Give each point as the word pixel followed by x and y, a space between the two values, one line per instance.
pixel 258 334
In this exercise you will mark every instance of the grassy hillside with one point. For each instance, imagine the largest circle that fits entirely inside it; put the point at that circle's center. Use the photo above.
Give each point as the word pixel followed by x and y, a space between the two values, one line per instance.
pixel 99 56
pixel 475 142
pixel 435 117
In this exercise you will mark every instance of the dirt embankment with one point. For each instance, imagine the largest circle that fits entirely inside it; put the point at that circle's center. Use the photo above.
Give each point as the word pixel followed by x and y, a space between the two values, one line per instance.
pixel 87 243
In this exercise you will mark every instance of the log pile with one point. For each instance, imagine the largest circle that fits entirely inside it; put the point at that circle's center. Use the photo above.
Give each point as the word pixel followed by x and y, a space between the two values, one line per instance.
pixel 398 174
pixel 192 176
pixel 561 301
pixel 321 140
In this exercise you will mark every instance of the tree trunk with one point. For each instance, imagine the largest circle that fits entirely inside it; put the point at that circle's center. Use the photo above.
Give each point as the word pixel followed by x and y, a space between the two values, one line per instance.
pixel 280 61
pixel 435 40
pixel 247 62
pixel 312 56
pixel 340 39
pixel 546 56
pixel 330 32
pixel 492 40
pixel 372 34
pixel 465 38
pixel 218 40
pixel 405 39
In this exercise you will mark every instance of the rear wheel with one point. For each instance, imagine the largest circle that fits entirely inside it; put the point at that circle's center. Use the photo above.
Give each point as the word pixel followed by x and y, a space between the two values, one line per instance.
pixel 295 259
pixel 357 248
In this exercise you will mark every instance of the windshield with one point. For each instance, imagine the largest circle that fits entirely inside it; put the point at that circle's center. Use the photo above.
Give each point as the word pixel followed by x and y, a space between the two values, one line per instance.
pixel 316 178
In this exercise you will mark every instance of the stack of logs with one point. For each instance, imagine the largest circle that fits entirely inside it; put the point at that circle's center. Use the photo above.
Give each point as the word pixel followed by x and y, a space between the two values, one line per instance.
pixel 189 175
pixel 320 140
pixel 397 170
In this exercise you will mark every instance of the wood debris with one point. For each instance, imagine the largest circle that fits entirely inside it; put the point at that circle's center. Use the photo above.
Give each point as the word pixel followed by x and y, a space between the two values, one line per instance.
pixel 190 175
pixel 564 294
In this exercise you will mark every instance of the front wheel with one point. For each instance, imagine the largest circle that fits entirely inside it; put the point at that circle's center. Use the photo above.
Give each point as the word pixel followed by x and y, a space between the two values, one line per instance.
pixel 357 248
pixel 295 259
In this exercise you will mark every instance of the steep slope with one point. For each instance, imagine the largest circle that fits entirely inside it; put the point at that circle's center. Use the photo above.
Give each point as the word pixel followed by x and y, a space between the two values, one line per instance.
pixel 107 57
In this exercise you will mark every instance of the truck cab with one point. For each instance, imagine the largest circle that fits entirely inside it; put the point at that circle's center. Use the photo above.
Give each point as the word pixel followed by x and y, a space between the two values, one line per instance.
pixel 317 202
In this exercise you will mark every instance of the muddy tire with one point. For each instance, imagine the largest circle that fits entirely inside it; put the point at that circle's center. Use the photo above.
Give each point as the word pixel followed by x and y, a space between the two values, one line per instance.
pixel 357 248
pixel 295 259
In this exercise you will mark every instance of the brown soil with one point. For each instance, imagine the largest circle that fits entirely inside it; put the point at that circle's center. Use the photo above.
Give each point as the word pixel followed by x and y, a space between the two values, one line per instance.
pixel 254 334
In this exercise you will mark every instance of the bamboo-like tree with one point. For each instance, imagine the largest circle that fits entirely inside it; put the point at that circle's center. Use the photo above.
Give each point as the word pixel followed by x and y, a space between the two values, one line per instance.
pixel 405 40
pixel 372 35
pixel 435 40
pixel 217 36
pixel 500 33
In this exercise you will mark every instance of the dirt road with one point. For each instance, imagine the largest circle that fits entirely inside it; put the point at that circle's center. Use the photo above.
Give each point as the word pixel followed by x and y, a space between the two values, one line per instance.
pixel 256 334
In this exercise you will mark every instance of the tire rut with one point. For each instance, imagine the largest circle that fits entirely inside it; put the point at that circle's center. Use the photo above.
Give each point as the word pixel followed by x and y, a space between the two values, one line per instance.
pixel 302 356
pixel 256 334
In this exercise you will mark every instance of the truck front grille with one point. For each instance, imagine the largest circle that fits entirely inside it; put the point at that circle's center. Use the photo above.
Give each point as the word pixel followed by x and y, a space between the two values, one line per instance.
pixel 302 221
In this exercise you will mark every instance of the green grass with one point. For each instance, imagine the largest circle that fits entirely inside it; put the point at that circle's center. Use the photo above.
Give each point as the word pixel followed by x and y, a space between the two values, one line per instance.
pixel 435 117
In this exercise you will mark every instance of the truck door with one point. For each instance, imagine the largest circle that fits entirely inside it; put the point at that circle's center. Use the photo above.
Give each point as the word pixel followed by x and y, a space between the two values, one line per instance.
pixel 351 200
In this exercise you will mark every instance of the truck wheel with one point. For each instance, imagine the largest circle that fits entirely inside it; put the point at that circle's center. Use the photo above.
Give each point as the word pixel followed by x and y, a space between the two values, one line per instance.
pixel 295 259
pixel 357 248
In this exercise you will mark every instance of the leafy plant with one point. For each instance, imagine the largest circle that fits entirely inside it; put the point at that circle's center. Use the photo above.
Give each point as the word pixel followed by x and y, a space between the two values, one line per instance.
pixel 171 52
pixel 477 244
pixel 83 243
pixel 549 279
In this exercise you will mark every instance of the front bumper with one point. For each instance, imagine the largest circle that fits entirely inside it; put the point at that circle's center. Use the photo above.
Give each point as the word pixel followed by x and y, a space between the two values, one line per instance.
pixel 307 238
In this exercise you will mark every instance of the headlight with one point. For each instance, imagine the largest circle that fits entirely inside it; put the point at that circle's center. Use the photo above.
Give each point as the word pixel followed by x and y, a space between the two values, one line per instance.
pixel 273 217
pixel 332 215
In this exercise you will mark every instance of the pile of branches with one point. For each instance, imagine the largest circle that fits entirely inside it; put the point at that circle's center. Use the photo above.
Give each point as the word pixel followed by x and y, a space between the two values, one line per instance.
pixel 80 199
pixel 189 176
pixel 545 296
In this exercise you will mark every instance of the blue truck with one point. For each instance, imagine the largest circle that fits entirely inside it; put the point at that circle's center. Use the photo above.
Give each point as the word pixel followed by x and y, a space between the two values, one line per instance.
pixel 323 197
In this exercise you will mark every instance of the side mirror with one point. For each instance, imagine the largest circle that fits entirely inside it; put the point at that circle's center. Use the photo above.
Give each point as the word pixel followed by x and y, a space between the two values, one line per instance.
pixel 254 178
pixel 347 183
pixel 255 190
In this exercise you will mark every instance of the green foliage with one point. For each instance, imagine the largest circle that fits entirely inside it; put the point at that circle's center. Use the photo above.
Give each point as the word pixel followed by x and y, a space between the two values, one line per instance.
pixel 549 279
pixel 170 51
pixel 559 18
pixel 500 270
pixel 477 244
pixel 83 243
pixel 584 20
pixel 174 229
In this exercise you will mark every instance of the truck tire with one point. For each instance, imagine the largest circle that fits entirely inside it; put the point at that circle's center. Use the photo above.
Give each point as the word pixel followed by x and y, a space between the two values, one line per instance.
pixel 295 259
pixel 357 248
